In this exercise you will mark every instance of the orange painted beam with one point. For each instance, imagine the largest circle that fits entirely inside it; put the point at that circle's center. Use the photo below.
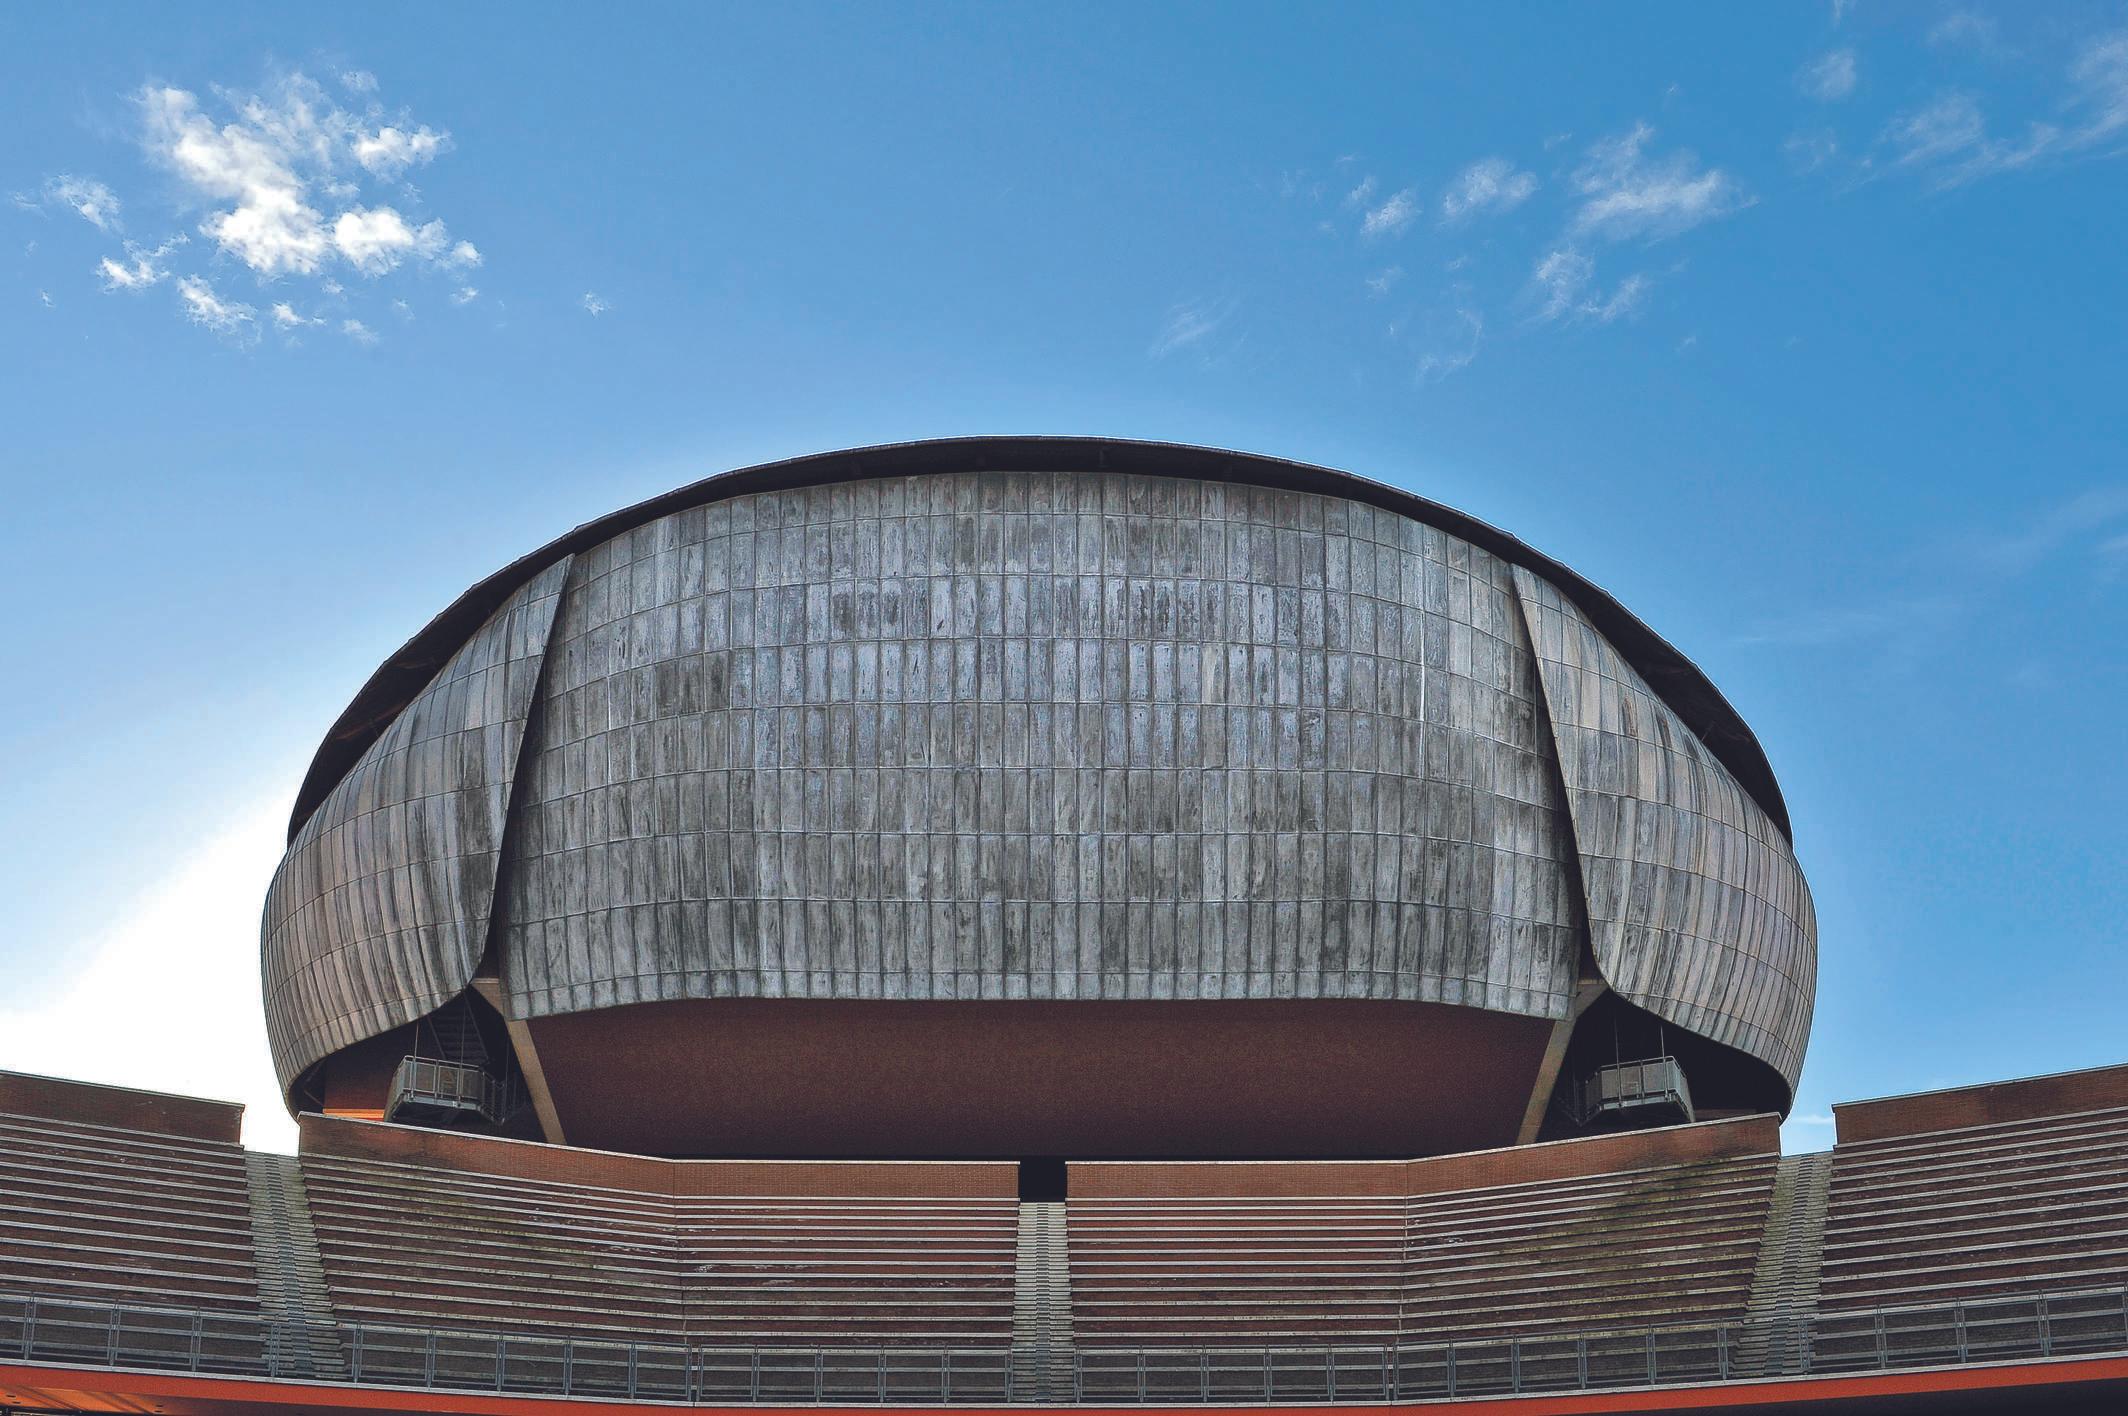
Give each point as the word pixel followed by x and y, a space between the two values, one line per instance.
pixel 178 1394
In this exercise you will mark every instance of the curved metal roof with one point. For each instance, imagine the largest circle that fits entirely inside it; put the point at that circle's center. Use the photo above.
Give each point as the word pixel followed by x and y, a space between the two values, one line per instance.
pixel 1680 682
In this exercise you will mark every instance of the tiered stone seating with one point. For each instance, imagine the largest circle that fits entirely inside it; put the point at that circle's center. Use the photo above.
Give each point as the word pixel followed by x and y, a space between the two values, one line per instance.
pixel 914 1272
pixel 1236 1271
pixel 417 1230
pixel 132 1198
pixel 428 1246
pixel 2016 1189
pixel 1675 1244
pixel 1613 1232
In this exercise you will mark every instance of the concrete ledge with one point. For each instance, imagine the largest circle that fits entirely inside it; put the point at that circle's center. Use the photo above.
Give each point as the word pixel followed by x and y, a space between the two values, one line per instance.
pixel 1475 1170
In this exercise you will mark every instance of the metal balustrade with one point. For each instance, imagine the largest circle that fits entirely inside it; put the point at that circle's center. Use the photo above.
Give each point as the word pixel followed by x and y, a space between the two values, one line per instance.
pixel 71 1333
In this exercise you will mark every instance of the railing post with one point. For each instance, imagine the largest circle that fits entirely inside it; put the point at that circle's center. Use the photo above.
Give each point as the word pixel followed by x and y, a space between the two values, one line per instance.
pixel 1514 1366
pixel 1721 1351
pixel 428 1359
pixel 1884 1345
pixel 354 1356
pixel 820 1376
pixel 2046 1331
pixel 110 1341
pixel 1449 1355
pixel 1958 1315
pixel 1266 1377
pixel 1651 1356
pixel 883 1373
pixel 568 1365
pixel 29 1322
pixel 1330 1370
pixel 1581 1359
pixel 199 1332
pixel 1204 1373
pixel 502 1361
pixel 631 1371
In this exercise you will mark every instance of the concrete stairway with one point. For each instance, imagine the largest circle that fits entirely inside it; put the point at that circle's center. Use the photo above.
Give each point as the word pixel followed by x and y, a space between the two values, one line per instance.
pixel 1041 1306
pixel 1784 1286
pixel 292 1286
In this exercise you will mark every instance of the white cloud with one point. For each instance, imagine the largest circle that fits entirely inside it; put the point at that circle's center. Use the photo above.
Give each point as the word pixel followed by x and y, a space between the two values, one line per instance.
pixel 1964 27
pixel 1626 193
pixel 87 198
pixel 359 332
pixel 204 307
pixel 1491 184
pixel 46 297
pixel 285 317
pixel 268 171
pixel 465 295
pixel 375 240
pixel 167 997
pixel 389 151
pixel 358 81
pixel 140 269
pixel 1808 151
pixel 1362 194
pixel 1383 281
pixel 593 305
pixel 1392 216
pixel 1830 77
pixel 1564 282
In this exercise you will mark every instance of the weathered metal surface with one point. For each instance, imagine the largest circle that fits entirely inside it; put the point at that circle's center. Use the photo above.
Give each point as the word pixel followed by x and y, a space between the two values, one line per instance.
pixel 379 911
pixel 1697 909
pixel 1680 683
pixel 1071 735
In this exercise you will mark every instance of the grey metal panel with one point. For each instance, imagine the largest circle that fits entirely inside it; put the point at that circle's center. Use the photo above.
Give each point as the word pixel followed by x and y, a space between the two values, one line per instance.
pixel 1697 909
pixel 379 911
pixel 1673 676
pixel 1038 734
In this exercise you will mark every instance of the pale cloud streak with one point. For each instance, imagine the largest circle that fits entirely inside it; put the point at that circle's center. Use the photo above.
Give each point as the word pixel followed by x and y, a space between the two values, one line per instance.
pixel 593 305
pixel 1393 216
pixel 1627 193
pixel 140 269
pixel 87 198
pixel 1564 284
pixel 1830 77
pixel 1189 325
pixel 1490 184
pixel 1949 140
pixel 204 306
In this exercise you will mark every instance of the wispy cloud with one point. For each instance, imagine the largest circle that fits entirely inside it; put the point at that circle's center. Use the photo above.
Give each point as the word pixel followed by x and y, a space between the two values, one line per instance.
pixel 359 332
pixel 593 305
pixel 87 198
pixel 1437 364
pixel 1564 284
pixel 465 295
pixel 1392 216
pixel 1383 281
pixel 286 317
pixel 1829 77
pixel 1628 193
pixel 1490 184
pixel 1189 325
pixel 1949 139
pixel 203 306
pixel 140 268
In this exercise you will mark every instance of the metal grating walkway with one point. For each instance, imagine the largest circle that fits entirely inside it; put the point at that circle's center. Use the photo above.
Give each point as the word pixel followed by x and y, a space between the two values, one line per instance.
pixel 1041 1306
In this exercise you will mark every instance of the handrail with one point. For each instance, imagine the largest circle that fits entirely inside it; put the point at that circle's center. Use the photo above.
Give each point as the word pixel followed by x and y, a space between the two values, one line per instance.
pixel 53 1331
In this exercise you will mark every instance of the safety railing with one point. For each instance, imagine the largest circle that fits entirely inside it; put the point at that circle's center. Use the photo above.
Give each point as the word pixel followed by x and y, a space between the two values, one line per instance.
pixel 69 1332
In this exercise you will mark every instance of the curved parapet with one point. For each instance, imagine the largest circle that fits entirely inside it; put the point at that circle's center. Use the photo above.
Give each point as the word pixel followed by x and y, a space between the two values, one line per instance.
pixel 1048 735
pixel 1697 909
pixel 378 913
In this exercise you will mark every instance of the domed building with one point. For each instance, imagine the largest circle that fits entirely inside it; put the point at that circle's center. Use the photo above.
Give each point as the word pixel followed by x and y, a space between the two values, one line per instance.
pixel 1051 924
pixel 1038 797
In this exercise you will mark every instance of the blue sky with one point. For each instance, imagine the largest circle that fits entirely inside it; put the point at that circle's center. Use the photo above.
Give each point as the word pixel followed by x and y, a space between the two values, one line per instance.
pixel 1802 328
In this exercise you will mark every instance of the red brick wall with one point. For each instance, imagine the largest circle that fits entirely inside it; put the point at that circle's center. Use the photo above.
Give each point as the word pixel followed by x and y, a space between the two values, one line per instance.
pixel 89 1104
pixel 1991 1103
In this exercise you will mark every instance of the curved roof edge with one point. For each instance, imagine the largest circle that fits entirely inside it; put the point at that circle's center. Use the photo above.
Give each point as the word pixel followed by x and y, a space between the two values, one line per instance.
pixel 1680 682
